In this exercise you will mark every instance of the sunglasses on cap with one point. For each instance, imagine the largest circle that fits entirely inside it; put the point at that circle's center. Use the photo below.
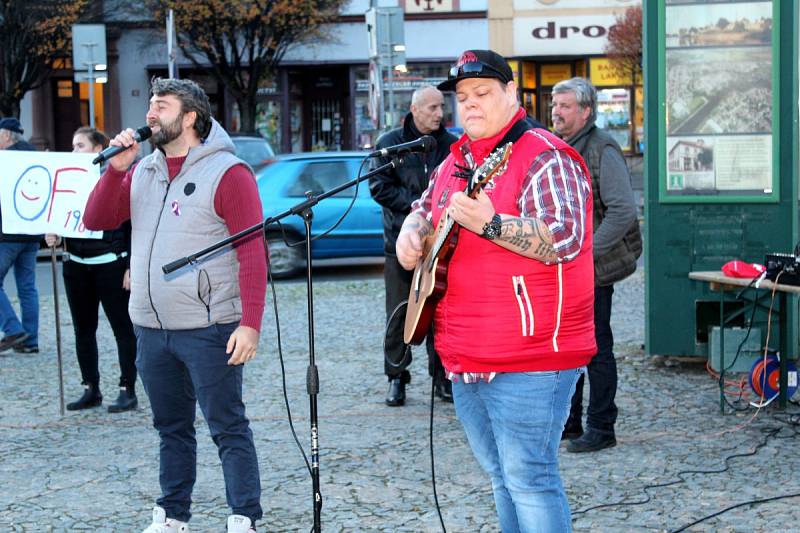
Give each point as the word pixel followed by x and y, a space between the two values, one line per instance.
pixel 474 67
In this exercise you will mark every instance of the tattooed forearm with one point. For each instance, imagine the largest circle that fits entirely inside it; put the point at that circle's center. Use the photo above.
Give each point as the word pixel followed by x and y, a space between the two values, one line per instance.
pixel 418 224
pixel 528 237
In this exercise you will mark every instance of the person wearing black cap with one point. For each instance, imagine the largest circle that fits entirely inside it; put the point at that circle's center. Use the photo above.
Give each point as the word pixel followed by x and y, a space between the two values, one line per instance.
pixel 18 251
pixel 514 327
pixel 394 190
pixel 11 135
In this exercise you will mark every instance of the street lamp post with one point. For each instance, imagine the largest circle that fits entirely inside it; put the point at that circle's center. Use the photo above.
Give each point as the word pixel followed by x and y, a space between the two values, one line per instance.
pixel 90 64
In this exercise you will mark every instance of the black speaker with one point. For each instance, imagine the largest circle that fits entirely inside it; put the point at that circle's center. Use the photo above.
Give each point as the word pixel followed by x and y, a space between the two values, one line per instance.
pixel 787 266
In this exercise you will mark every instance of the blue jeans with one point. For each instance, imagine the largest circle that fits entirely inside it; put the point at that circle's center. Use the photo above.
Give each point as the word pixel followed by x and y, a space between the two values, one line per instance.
pixel 181 368
pixel 514 426
pixel 21 256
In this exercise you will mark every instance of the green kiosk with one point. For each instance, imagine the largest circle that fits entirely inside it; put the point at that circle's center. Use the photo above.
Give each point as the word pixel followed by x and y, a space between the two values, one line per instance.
pixel 721 182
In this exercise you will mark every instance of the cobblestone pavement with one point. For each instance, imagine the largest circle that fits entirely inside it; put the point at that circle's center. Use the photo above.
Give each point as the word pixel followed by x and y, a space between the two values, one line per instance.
pixel 92 471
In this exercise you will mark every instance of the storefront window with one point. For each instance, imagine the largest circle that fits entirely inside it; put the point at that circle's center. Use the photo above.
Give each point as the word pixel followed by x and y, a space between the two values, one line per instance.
pixel 366 132
pixel 403 85
pixel 296 124
pixel 580 69
pixel 552 73
pixel 529 102
pixel 529 75
pixel 267 123
pixel 613 115
pixel 638 121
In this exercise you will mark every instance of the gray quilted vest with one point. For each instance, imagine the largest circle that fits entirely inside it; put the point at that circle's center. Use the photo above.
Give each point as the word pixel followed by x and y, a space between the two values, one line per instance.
pixel 172 220
pixel 620 261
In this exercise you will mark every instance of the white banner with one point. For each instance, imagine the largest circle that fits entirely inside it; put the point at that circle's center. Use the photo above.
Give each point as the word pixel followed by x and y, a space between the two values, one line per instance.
pixel 46 192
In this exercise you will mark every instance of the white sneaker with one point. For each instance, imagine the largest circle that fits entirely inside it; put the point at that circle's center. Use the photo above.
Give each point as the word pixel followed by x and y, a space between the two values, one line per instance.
pixel 239 524
pixel 162 524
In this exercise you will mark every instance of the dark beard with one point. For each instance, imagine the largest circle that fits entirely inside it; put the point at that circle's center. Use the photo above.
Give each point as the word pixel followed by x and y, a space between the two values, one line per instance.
pixel 167 132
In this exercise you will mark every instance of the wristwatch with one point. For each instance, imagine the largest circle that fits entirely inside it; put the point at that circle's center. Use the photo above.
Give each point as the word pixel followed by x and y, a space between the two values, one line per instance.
pixel 491 230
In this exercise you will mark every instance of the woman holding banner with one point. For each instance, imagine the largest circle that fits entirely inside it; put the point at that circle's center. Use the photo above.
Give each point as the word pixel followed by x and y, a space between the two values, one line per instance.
pixel 96 272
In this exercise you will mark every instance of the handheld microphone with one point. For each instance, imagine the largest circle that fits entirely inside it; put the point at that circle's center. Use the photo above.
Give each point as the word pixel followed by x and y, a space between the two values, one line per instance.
pixel 426 143
pixel 142 134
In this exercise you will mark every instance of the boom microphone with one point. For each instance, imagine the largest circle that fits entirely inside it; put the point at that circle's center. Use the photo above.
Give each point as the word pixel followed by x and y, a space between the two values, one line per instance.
pixel 142 134
pixel 426 143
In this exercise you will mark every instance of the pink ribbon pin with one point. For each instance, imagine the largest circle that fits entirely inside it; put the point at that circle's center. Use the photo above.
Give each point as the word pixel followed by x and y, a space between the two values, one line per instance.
pixel 176 208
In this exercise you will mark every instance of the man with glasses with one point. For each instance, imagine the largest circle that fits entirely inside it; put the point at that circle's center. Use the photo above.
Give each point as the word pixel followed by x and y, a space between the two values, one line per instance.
pixel 514 328
pixel 394 190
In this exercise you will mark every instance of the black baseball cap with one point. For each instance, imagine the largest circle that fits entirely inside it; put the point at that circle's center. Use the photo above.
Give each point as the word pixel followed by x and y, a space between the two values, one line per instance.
pixel 478 64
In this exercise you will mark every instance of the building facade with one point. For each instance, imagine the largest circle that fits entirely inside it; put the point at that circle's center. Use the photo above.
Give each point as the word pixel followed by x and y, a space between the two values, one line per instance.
pixel 317 100
pixel 552 40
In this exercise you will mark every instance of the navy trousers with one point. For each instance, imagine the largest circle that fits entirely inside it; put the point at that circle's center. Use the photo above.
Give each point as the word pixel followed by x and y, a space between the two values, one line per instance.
pixel 182 368
pixel 602 370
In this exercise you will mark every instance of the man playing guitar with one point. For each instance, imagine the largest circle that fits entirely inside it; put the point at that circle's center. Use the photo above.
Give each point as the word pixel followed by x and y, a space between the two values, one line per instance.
pixel 514 327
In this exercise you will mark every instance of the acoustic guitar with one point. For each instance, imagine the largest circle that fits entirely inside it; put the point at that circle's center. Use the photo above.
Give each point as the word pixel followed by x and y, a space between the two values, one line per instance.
pixel 429 282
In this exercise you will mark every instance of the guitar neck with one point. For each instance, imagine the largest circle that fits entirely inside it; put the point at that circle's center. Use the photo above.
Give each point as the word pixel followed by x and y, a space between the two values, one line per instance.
pixel 443 232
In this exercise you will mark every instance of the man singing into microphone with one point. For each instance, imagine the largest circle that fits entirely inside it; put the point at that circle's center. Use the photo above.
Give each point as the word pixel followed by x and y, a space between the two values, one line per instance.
pixel 196 327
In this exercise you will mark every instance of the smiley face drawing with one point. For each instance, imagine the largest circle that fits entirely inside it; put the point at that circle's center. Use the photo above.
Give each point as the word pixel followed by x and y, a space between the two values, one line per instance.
pixel 32 192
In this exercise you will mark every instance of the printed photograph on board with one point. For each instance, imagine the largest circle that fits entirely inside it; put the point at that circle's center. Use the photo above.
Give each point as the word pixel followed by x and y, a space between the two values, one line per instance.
pixel 739 24
pixel 719 91
pixel 690 163
pixel 719 164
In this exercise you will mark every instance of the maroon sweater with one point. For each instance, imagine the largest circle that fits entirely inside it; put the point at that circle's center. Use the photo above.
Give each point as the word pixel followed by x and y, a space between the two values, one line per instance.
pixel 236 202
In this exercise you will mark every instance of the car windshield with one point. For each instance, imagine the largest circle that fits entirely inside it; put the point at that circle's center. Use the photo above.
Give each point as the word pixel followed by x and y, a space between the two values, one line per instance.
pixel 315 175
pixel 253 151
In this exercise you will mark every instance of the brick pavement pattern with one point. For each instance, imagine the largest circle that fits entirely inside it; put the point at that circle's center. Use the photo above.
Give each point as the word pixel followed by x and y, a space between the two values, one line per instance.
pixel 93 471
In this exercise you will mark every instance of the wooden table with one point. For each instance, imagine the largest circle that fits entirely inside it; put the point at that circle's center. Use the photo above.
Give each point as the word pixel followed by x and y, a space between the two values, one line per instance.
pixel 721 283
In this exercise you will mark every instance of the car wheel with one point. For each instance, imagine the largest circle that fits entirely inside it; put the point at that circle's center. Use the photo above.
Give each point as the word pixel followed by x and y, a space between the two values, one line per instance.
pixel 285 261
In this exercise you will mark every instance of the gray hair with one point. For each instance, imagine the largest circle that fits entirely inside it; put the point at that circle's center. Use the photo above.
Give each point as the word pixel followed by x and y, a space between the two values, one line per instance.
pixel 192 98
pixel 14 136
pixel 585 93
pixel 416 96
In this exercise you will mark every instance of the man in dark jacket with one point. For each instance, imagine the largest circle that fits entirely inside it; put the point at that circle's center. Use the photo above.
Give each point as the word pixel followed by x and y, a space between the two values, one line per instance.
pixel 395 190
pixel 617 245
pixel 18 251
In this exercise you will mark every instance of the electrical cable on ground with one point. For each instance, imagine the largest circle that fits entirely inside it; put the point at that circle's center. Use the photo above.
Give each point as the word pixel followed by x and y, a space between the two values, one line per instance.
pixel 283 370
pixel 401 364
pixel 680 475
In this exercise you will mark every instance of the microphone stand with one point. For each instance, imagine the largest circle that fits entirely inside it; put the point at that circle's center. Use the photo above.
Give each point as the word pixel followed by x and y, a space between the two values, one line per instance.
pixel 304 209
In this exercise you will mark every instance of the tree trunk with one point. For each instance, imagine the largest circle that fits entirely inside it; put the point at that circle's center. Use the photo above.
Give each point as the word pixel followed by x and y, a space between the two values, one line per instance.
pixel 247 113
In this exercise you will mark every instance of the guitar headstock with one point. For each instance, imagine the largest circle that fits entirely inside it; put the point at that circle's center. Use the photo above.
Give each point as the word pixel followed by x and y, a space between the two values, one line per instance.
pixel 492 165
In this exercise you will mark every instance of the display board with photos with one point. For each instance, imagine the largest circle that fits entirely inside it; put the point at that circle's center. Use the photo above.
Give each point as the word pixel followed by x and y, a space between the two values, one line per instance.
pixel 718 95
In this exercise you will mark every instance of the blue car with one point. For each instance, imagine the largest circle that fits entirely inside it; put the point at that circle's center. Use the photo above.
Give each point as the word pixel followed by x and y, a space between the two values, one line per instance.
pixel 282 184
